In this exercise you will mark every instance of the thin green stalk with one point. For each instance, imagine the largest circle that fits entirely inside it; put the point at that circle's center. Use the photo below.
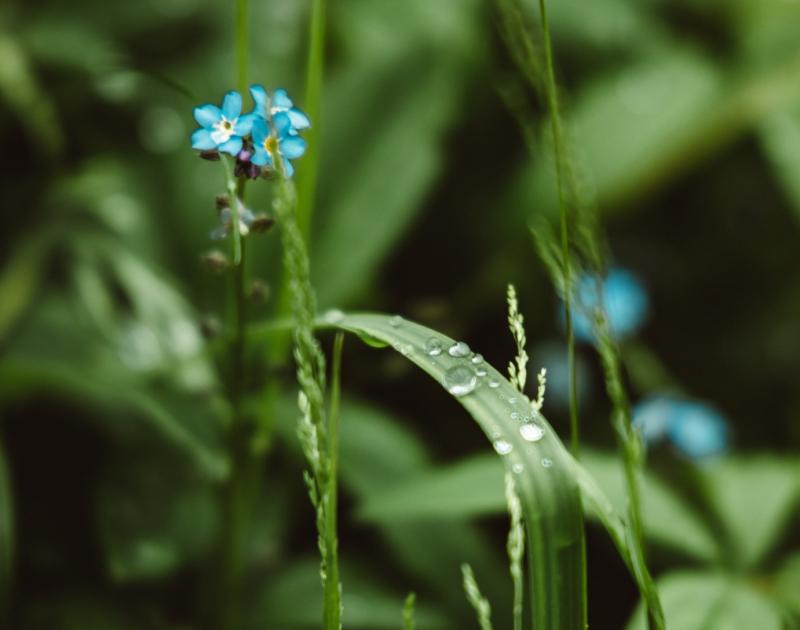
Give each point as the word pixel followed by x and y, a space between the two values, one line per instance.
pixel 241 45
pixel 631 447
pixel 307 173
pixel 551 90
pixel 315 66
pixel 408 611
pixel 332 594
pixel 313 430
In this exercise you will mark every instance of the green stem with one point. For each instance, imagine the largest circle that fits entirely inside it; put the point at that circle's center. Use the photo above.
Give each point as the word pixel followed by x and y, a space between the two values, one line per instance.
pixel 332 611
pixel 558 135
pixel 241 45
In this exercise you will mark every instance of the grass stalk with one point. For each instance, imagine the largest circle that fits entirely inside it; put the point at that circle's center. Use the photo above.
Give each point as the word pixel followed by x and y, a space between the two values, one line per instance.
pixel 551 90
pixel 316 435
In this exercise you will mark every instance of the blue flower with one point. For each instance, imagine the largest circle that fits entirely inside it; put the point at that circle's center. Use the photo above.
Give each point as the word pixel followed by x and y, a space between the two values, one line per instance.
pixel 276 138
pixel 625 300
pixel 267 106
pixel 695 429
pixel 222 129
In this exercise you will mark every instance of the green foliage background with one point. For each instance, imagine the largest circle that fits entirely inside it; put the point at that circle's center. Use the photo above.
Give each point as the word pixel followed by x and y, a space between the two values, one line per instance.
pixel 686 115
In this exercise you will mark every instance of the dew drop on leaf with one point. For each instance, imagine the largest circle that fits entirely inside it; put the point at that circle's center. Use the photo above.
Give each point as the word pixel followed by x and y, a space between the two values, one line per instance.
pixel 333 316
pixel 459 350
pixel 531 432
pixel 477 359
pixel 547 463
pixel 434 346
pixel 502 447
pixel 395 321
pixel 494 384
pixel 460 380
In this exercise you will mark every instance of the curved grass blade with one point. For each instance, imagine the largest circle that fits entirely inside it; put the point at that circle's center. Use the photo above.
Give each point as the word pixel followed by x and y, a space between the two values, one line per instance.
pixel 542 468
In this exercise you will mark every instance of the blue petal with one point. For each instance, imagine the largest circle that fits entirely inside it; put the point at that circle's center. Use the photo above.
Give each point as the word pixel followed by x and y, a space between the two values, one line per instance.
pixel 219 233
pixel 201 140
pixel 299 120
pixel 281 100
pixel 206 115
pixel 292 147
pixel 260 97
pixel 232 105
pixel 232 146
pixel 282 124
pixel 288 169
pixel 245 124
pixel 654 416
pixel 699 431
pixel 261 157
pixel 260 131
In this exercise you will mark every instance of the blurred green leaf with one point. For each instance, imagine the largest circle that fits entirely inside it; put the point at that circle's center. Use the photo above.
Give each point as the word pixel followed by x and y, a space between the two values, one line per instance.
pixel 711 601
pixel 787 583
pixel 293 599
pixel 382 150
pixel 20 281
pixel 780 136
pixel 439 493
pixel 755 498
pixel 154 514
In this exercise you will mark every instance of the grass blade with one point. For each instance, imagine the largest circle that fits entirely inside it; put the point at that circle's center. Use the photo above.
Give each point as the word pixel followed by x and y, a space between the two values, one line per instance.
pixel 542 469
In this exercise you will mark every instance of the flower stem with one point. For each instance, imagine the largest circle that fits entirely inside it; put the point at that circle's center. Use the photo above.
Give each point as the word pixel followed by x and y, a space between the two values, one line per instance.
pixel 241 45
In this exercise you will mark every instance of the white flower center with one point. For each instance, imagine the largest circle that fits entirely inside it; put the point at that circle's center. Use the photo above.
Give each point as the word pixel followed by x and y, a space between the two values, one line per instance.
pixel 223 130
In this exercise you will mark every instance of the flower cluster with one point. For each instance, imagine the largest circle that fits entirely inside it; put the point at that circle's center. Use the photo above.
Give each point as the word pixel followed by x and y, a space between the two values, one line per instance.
pixel 257 139
pixel 695 429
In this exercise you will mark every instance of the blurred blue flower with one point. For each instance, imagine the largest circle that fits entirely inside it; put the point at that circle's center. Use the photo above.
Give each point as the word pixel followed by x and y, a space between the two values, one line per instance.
pixel 222 129
pixel 695 429
pixel 625 299
pixel 276 138
pixel 267 106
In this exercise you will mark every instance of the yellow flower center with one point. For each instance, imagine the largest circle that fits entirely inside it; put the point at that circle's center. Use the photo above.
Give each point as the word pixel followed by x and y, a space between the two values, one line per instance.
pixel 271 144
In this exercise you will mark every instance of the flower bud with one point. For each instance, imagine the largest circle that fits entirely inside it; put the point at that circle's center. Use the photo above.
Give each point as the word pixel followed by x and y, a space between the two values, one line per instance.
pixel 262 222
pixel 222 201
pixel 211 156
pixel 215 260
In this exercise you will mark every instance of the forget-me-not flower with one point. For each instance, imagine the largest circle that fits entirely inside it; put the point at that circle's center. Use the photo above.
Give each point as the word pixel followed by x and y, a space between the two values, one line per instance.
pixel 267 106
pixel 625 300
pixel 222 129
pixel 695 429
pixel 276 139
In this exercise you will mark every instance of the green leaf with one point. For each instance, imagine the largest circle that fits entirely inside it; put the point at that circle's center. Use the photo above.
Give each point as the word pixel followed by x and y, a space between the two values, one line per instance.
pixel 755 497
pixel 780 136
pixel 543 471
pixel 787 584
pixel 439 494
pixel 381 152
pixel 468 488
pixel 711 601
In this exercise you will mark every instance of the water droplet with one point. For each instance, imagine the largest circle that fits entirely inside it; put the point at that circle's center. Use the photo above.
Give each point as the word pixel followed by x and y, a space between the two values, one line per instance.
pixel 406 349
pixel 434 346
pixel 547 462
pixel 502 447
pixel 496 434
pixel 477 359
pixel 516 416
pixel 333 316
pixel 395 321
pixel 512 400
pixel 517 468
pixel 480 371
pixel 531 432
pixel 494 383
pixel 460 380
pixel 459 350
